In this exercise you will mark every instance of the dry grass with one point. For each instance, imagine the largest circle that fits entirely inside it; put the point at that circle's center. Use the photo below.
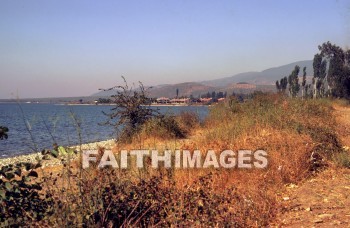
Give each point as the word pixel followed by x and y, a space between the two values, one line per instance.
pixel 298 135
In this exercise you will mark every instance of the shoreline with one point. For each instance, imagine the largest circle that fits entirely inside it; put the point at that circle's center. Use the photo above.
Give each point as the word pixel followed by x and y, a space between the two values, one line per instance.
pixel 152 105
pixel 34 157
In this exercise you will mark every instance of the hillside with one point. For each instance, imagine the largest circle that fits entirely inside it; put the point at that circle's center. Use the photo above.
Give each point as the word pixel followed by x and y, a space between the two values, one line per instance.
pixel 265 77
pixel 262 81
pixel 169 90
pixel 185 89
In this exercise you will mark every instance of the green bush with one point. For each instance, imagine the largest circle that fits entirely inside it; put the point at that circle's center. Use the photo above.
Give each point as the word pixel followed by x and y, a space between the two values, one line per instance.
pixel 3 132
pixel 21 199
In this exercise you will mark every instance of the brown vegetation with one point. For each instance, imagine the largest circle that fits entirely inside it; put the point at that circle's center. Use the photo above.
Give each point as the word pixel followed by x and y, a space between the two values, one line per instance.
pixel 300 137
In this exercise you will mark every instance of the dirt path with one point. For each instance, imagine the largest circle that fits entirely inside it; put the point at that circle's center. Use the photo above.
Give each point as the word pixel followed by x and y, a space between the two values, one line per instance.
pixel 322 201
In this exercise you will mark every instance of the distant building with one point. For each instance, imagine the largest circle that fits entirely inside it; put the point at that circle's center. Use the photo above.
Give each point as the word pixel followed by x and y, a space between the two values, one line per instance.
pixel 221 99
pixel 180 100
pixel 163 100
pixel 243 85
pixel 206 100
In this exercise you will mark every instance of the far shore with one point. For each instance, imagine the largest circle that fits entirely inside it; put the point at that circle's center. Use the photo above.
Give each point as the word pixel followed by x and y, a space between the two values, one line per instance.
pixel 105 104
pixel 152 105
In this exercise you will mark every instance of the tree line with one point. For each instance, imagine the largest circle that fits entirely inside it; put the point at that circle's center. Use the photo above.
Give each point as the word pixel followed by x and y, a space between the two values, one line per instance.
pixel 331 76
pixel 214 95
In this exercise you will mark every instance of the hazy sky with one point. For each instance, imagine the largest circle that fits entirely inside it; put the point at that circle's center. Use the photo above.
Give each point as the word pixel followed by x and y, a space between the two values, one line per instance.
pixel 70 48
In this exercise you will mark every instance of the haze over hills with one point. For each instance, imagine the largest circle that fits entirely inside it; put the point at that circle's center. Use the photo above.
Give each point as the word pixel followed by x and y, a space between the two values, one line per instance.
pixel 240 83
pixel 265 77
pixel 185 89
pixel 263 81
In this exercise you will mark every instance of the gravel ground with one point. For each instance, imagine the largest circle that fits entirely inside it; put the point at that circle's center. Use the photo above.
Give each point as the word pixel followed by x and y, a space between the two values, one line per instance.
pixel 32 158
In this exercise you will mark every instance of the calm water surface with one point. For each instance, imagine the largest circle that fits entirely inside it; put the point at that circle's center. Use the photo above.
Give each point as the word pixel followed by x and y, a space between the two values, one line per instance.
pixel 49 123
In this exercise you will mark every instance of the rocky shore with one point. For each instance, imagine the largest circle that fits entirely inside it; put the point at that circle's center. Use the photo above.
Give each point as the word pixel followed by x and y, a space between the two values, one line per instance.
pixel 35 157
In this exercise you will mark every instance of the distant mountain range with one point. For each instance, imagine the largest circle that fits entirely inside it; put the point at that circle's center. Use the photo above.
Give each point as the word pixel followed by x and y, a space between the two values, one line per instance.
pixel 265 77
pixel 239 83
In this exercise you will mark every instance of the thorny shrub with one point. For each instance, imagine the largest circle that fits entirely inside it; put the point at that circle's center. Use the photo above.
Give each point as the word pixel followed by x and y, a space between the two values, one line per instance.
pixel 132 109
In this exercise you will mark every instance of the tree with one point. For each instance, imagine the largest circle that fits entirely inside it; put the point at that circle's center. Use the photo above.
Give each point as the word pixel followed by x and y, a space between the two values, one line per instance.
pixel 307 89
pixel 103 101
pixel 213 95
pixel 132 109
pixel 293 81
pixel 338 70
pixel 177 93
pixel 303 82
pixel 317 66
pixel 208 95
pixel 283 84
pixel 278 87
pixel 220 95
pixel 320 67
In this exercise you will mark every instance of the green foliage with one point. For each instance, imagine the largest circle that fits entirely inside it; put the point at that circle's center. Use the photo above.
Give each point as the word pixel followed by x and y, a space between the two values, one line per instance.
pixel 104 101
pixel 215 95
pixel 317 65
pixel 338 76
pixel 304 77
pixel 281 85
pixel 57 151
pixel 293 81
pixel 320 68
pixel 303 84
pixel 278 87
pixel 334 81
pixel 21 199
pixel 3 132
